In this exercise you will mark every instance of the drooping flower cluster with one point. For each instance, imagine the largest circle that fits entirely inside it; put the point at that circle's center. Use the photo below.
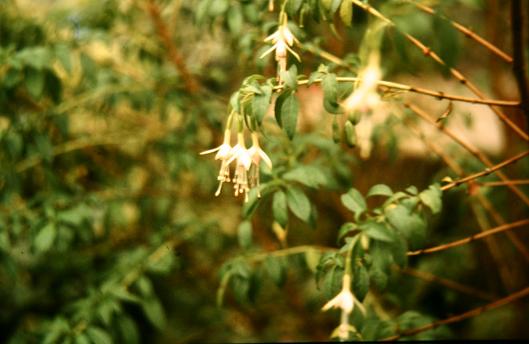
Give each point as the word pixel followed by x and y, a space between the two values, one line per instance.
pixel 282 41
pixel 247 163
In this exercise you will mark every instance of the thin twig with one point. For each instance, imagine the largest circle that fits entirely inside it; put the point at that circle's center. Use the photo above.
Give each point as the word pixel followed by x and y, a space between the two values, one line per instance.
pixel 486 171
pixel 455 73
pixel 175 57
pixel 426 276
pixel 468 33
pixel 419 90
pixel 460 317
pixel 65 148
pixel 485 203
pixel 509 182
pixel 518 48
pixel 469 147
pixel 466 240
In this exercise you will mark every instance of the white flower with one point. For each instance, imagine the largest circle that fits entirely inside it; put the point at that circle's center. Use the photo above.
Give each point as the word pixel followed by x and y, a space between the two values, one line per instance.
pixel 282 40
pixel 344 300
pixel 365 97
pixel 224 153
pixel 256 155
pixel 243 163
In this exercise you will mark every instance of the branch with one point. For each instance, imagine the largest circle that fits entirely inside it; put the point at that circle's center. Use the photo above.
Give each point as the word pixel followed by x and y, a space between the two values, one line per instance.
pixel 455 73
pixel 502 183
pixel 418 90
pixel 518 67
pixel 464 241
pixel 485 203
pixel 486 171
pixel 163 32
pixel 426 276
pixel 470 148
pixel 468 33
pixel 66 148
pixel 460 317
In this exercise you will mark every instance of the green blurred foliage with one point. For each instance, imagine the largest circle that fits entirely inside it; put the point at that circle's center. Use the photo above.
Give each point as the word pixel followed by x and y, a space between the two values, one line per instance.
pixel 109 230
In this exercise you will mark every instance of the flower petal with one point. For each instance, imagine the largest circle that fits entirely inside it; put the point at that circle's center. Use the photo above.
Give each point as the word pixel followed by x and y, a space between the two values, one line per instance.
pixel 268 51
pixel 210 151
pixel 265 158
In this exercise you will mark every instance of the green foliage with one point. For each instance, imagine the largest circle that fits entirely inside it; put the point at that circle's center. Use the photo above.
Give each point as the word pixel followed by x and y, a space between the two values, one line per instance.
pixel 109 230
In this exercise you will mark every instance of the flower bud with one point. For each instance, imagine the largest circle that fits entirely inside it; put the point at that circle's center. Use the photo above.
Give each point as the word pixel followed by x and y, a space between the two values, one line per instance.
pixel 350 134
pixel 335 130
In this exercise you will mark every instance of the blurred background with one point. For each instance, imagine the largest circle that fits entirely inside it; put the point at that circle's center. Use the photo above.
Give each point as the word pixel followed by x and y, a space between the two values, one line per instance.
pixel 109 227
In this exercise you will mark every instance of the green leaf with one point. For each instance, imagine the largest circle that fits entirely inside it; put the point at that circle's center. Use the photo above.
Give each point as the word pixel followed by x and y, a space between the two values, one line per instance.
pixel 82 338
pixel 218 7
pixel 378 277
pixel 286 112
pixel 412 190
pixel 310 176
pixel 312 259
pixel 290 78
pixel 377 231
pixel 279 208
pixel 354 201
pixel 76 215
pixel 128 330
pixel 261 102
pixel 36 57
pixel 249 207
pixel 432 198
pixel 345 229
pixel 275 270
pixel 53 86
pixel 244 234
pixel 360 282
pixel 124 295
pixel 380 190
pixel 298 203
pixel 154 312
pixel 164 264
pixel 34 80
pixel 144 286
pixel 411 225
pixel 12 77
pixel 330 94
pixel 332 281
pixel 346 12
pixel 62 53
pixel 292 7
pixel 45 238
pixel 234 19
pixel 98 335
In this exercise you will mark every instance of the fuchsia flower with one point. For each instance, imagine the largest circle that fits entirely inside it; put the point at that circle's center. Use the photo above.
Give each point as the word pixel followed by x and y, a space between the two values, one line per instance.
pixel 224 153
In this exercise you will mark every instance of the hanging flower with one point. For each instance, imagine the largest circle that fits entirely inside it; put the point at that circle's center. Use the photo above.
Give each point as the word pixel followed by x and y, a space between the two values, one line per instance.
pixel 365 97
pixel 256 155
pixel 345 300
pixel 224 153
pixel 243 163
pixel 282 40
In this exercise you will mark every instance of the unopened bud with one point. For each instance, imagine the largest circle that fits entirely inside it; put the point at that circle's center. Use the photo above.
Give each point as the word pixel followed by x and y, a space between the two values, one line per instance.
pixel 335 130
pixel 350 134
